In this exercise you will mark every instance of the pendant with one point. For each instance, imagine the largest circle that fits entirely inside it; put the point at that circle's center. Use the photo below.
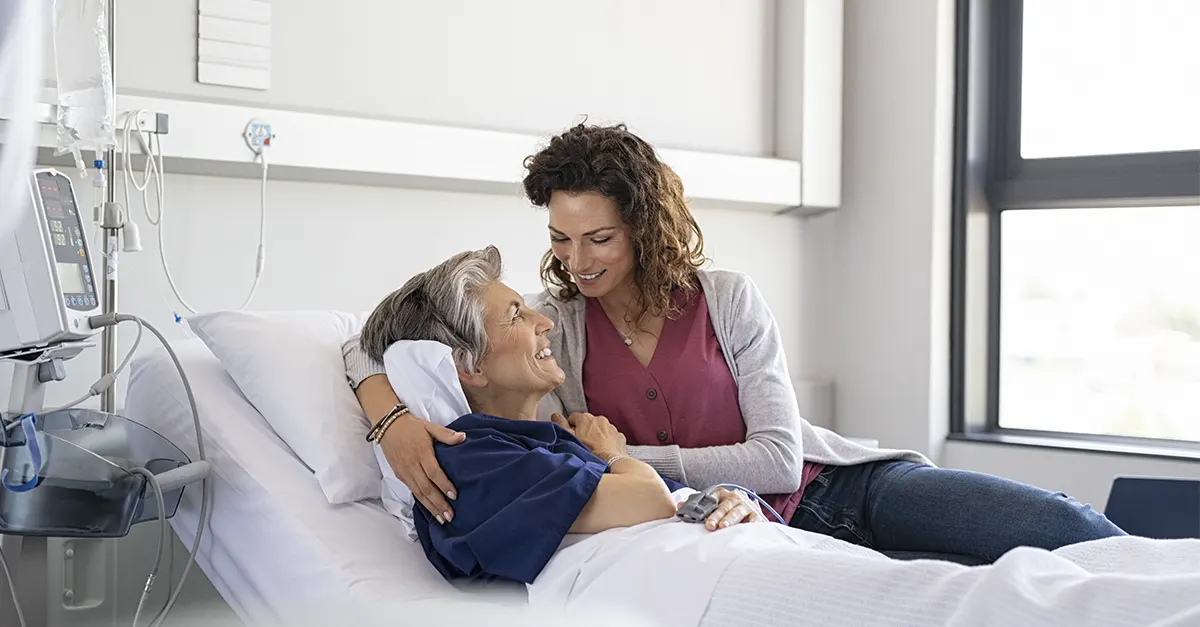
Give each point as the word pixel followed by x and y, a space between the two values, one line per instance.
pixel 628 341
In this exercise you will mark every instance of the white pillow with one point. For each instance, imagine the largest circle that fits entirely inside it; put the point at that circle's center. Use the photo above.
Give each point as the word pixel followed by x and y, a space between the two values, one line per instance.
pixel 290 366
pixel 426 374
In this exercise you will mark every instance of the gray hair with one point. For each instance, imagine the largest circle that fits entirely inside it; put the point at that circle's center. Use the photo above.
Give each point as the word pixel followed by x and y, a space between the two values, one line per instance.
pixel 442 305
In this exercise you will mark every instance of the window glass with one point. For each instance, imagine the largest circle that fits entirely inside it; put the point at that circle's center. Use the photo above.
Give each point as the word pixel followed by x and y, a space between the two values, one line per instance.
pixel 1100 321
pixel 1109 76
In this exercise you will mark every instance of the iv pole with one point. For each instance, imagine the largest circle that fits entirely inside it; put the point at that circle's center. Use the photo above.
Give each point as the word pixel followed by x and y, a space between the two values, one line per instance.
pixel 111 224
pixel 114 217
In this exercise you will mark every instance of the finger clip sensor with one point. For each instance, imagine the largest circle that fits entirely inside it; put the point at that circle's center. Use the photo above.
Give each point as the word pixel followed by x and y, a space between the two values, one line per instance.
pixel 697 507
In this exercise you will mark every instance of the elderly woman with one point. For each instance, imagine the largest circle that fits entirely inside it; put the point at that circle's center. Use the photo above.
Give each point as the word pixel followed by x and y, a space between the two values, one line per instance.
pixel 575 477
pixel 525 486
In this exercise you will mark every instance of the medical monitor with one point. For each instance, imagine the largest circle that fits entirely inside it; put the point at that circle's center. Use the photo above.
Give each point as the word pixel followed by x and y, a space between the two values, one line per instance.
pixel 48 288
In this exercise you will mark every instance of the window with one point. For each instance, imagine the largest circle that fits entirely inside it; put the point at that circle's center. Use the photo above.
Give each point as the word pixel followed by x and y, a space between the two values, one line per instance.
pixel 1109 77
pixel 1100 321
pixel 1076 244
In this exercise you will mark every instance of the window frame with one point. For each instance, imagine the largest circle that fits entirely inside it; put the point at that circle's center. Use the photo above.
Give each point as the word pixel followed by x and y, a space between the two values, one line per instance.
pixel 990 177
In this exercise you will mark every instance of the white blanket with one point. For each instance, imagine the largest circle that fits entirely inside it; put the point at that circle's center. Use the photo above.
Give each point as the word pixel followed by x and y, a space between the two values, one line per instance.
pixel 678 574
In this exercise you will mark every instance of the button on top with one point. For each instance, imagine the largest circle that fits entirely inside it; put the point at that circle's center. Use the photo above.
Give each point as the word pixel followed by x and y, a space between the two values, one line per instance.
pixel 662 436
pixel 652 394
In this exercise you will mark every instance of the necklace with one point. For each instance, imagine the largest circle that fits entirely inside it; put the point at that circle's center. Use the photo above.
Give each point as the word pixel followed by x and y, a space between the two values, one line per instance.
pixel 628 339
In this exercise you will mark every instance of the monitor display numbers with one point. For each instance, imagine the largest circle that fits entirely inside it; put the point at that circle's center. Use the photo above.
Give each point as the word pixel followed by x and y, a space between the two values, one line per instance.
pixel 56 226
pixel 60 239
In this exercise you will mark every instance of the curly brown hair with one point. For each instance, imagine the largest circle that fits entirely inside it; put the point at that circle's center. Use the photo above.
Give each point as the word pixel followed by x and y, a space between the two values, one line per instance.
pixel 610 160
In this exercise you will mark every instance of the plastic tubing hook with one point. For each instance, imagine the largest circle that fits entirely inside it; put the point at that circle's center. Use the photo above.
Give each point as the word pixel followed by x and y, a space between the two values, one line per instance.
pixel 28 422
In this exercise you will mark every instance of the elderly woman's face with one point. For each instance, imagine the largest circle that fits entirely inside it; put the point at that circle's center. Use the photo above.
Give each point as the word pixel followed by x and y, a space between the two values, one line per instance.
pixel 518 355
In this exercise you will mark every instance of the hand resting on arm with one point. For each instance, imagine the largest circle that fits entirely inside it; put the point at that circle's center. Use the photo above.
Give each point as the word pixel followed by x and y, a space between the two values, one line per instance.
pixel 638 483
pixel 408 447
pixel 630 493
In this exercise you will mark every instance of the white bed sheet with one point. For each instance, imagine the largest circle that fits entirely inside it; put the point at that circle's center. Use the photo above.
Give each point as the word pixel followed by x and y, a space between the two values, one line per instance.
pixel 275 545
pixel 279 553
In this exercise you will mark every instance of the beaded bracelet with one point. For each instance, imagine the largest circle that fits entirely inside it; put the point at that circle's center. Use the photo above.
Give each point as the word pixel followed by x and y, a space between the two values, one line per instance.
pixel 381 427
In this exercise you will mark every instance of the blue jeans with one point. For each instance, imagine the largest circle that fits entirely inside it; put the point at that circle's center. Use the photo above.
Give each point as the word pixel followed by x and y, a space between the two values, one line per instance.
pixel 910 511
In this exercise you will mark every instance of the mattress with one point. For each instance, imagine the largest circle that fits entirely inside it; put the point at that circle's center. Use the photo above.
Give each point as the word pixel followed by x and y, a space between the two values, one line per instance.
pixel 275 546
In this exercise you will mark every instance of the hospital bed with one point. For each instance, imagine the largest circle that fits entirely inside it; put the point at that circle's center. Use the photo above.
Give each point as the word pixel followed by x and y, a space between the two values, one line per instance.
pixel 275 546
pixel 278 552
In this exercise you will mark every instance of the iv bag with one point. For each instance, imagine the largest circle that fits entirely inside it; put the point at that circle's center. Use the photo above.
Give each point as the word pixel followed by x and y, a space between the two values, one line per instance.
pixel 86 116
pixel 21 24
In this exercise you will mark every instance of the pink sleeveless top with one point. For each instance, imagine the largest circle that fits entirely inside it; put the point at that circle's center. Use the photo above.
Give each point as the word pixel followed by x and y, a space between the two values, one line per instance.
pixel 686 396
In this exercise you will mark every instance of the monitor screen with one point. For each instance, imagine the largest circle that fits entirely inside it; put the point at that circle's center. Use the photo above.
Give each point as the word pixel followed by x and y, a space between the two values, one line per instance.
pixel 70 277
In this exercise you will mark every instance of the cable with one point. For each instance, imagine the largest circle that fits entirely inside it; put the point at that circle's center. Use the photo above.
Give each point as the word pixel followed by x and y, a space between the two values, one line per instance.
pixel 103 383
pixel 204 485
pixel 14 422
pixel 732 486
pixel 260 261
pixel 104 320
pixel 154 170
pixel 12 588
pixel 162 538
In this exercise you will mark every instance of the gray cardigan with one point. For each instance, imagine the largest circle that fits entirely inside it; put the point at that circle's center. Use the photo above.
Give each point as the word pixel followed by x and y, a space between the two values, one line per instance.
pixel 778 439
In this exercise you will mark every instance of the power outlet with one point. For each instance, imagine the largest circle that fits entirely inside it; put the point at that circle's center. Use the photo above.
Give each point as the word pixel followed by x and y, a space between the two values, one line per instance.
pixel 258 136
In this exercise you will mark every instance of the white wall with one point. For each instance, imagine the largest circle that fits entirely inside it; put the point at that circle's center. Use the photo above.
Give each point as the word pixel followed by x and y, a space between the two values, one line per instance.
pixel 885 329
pixel 689 74
pixel 879 267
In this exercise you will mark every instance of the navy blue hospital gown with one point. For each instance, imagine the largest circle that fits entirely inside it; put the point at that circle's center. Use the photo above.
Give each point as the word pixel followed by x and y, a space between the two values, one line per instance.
pixel 521 484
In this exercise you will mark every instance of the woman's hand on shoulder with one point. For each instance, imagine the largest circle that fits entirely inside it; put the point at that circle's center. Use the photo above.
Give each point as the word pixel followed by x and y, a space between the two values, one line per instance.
pixel 408 447
pixel 733 507
pixel 596 433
